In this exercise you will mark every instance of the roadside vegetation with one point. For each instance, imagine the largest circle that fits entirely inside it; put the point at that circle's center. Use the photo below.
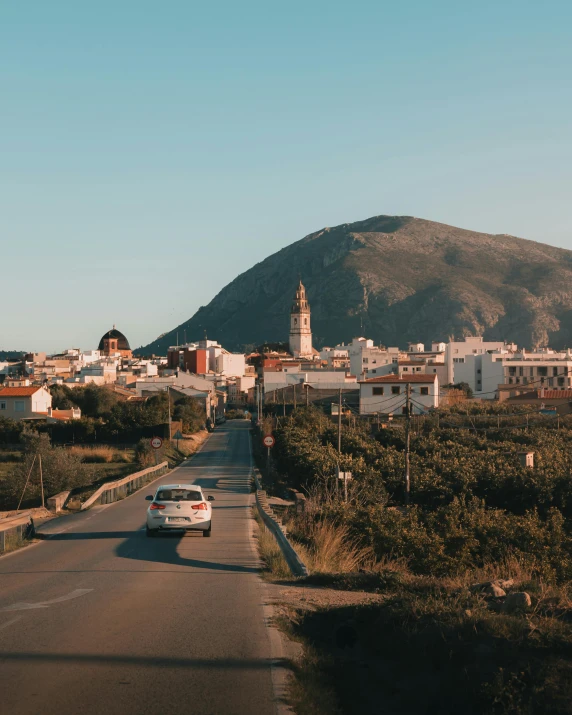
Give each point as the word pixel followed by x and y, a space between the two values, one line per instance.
pixel 452 630
pixel 110 441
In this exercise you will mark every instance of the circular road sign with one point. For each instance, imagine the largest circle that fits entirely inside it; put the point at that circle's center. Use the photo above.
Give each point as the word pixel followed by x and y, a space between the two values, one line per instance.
pixel 156 443
pixel 268 441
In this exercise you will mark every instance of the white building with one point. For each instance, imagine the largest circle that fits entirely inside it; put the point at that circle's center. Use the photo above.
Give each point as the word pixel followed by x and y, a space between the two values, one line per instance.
pixel 388 394
pixel 230 364
pixel 300 329
pixel 457 352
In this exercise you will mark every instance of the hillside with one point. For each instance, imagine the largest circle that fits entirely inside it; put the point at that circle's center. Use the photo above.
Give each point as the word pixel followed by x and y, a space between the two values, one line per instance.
pixel 396 279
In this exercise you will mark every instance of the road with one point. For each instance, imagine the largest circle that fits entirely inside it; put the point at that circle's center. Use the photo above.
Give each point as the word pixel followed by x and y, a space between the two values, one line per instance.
pixel 101 619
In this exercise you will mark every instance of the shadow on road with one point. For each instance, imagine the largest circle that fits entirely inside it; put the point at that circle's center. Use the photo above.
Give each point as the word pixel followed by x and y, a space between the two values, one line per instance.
pixel 151 661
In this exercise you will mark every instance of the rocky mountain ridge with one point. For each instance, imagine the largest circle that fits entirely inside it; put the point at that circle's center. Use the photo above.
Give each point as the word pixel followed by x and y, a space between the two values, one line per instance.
pixel 396 279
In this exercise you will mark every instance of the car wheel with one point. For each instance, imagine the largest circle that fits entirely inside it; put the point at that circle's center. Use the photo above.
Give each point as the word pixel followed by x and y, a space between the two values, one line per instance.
pixel 207 532
pixel 151 532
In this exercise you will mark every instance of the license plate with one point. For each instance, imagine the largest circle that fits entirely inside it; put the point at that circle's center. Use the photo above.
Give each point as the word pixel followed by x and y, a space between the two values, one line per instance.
pixel 177 518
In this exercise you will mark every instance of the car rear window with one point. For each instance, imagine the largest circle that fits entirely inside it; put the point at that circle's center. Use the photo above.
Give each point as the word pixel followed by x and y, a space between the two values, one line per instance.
pixel 178 495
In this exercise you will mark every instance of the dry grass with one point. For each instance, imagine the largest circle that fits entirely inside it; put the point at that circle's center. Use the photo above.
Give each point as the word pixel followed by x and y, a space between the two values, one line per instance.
pixel 101 454
pixel 327 548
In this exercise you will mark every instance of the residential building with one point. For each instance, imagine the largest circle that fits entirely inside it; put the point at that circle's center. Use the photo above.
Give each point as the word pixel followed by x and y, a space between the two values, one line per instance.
pixel 388 394
pixel 456 354
pixel 23 403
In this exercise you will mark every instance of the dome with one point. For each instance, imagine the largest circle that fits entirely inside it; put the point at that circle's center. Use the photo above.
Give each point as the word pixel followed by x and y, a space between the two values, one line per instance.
pixel 114 334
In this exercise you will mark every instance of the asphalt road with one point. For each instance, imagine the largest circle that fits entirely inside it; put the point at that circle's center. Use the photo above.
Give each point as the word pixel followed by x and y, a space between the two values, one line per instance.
pixel 101 619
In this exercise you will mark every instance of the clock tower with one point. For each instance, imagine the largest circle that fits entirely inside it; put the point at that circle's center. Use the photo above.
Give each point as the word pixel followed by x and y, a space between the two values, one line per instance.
pixel 300 331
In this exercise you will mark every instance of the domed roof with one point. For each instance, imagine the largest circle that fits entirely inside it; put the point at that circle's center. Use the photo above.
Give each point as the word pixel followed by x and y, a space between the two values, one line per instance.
pixel 114 334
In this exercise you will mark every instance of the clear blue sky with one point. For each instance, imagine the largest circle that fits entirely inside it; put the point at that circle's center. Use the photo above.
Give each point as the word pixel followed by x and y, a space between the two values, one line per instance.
pixel 151 151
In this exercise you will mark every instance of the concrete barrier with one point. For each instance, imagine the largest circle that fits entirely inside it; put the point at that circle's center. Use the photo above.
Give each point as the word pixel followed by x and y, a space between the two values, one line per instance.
pixel 19 526
pixel 57 502
pixel 295 563
pixel 114 491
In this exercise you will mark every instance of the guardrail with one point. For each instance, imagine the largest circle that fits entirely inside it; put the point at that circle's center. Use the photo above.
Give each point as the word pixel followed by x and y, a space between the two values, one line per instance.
pixel 295 563
pixel 15 528
pixel 114 491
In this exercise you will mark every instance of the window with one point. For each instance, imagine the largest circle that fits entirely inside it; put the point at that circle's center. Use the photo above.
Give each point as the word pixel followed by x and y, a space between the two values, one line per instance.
pixel 551 382
pixel 378 390
pixel 395 390
pixel 554 371
pixel 560 382
pixel 305 321
pixel 178 495
pixel 2 405
pixel 521 371
pixel 531 372
pixel 404 409
pixel 424 390
pixel 19 406
pixel 365 361
pixel 479 372
pixel 405 369
pixel 542 371
pixel 512 371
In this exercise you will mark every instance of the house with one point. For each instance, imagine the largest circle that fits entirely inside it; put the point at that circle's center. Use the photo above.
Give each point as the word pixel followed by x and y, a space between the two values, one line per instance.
pixel 557 401
pixel 55 416
pixel 388 393
pixel 24 403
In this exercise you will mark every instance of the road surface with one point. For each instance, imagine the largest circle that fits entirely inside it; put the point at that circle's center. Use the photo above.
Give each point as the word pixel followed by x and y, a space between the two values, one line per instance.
pixel 101 619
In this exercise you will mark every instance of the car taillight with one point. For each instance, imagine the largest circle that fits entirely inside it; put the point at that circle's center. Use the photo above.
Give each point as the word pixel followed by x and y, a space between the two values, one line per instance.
pixel 156 506
pixel 202 505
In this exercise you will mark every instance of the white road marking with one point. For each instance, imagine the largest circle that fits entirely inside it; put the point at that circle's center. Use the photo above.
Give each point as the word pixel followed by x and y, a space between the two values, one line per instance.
pixel 23 606
pixel 10 622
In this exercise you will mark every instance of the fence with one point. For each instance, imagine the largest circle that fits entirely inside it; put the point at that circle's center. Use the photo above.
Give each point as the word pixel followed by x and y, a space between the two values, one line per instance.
pixel 114 491
pixel 13 529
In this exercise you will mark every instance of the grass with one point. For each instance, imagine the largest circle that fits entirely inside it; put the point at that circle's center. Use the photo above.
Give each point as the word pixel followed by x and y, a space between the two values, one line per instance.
pixel 101 454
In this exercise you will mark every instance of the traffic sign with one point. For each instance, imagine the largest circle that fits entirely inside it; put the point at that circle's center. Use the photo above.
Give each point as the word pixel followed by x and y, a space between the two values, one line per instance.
pixel 345 475
pixel 178 435
pixel 156 443
pixel 269 441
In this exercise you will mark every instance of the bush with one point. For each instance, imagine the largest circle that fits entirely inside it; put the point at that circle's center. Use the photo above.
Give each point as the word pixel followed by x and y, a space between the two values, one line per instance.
pixel 61 469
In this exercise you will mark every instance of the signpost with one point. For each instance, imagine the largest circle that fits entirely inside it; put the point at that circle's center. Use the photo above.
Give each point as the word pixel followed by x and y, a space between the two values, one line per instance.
pixel 346 476
pixel 178 436
pixel 269 442
pixel 156 443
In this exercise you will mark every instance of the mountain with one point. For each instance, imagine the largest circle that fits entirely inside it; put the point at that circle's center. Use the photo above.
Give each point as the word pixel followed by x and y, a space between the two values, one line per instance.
pixel 396 279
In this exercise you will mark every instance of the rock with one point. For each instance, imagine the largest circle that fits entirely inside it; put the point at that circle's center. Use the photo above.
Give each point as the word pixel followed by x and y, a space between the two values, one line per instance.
pixel 518 601
pixel 487 586
pixel 495 591
pixel 504 584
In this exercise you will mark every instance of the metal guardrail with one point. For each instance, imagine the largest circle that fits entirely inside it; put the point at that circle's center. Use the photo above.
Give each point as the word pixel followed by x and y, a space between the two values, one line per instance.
pixel 114 491
pixel 19 526
pixel 295 563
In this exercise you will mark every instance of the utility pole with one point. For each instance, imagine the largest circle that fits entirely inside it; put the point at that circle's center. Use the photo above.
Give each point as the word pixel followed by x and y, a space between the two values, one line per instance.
pixel 284 402
pixel 169 410
pixel 294 386
pixel 339 439
pixel 407 440
pixel 307 386
pixel 41 481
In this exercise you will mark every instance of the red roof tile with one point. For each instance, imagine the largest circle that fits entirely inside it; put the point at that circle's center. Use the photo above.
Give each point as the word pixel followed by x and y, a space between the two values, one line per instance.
pixel 19 391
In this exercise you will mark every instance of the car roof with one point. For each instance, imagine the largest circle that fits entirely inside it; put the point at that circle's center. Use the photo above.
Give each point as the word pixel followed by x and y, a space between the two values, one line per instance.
pixel 180 486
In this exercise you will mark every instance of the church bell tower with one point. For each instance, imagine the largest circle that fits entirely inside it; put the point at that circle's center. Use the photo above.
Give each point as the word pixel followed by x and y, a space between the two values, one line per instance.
pixel 300 331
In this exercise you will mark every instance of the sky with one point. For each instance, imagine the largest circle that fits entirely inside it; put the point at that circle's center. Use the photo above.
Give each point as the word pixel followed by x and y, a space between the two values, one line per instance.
pixel 152 151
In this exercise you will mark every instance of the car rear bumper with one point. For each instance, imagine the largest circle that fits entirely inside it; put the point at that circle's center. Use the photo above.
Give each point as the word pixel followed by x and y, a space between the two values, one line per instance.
pixel 195 526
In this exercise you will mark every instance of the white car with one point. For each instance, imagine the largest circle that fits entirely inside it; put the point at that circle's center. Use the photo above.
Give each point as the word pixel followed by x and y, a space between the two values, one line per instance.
pixel 179 506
